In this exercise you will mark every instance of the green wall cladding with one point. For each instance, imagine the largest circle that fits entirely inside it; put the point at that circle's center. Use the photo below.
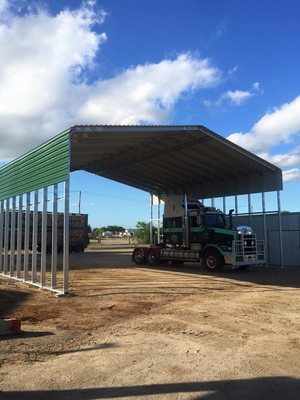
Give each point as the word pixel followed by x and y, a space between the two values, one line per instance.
pixel 43 166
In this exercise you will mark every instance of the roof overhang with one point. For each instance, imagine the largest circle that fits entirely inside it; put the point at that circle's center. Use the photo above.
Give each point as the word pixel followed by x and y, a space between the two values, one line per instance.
pixel 171 160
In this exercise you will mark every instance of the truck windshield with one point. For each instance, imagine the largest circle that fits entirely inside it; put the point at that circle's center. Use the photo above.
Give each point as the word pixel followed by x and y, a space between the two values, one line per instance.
pixel 215 220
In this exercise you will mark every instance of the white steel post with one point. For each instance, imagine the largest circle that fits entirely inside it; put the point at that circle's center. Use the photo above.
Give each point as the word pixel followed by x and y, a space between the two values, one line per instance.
pixel 66 239
pixel 265 229
pixel 19 236
pixel 158 220
pixel 12 238
pixel 54 238
pixel 1 233
pixel 27 233
pixel 280 228
pixel 35 235
pixel 6 237
pixel 249 209
pixel 151 218
pixel 44 238
pixel 236 210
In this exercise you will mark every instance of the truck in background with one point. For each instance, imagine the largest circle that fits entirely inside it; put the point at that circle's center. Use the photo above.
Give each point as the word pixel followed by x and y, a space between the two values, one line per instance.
pixel 195 233
pixel 78 231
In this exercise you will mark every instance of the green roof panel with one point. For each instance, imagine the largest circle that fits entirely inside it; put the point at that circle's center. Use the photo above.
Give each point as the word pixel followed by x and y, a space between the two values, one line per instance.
pixel 43 166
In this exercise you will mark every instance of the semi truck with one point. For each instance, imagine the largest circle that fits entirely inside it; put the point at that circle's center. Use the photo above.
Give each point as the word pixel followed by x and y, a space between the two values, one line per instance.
pixel 195 233
pixel 78 231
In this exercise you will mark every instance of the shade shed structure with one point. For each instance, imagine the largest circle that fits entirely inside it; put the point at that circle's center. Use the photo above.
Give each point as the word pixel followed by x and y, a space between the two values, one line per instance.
pixel 162 160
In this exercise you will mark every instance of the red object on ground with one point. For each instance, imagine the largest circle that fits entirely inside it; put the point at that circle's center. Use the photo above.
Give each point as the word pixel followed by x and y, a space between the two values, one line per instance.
pixel 10 326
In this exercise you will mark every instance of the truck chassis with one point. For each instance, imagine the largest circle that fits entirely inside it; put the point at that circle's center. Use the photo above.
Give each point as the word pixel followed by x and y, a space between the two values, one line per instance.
pixel 245 251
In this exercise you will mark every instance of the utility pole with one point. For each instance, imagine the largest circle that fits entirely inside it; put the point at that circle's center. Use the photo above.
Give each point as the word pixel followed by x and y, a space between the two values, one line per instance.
pixel 79 202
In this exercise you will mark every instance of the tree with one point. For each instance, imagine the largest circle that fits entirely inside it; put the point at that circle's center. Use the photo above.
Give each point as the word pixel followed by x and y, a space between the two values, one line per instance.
pixel 97 233
pixel 143 232
pixel 115 229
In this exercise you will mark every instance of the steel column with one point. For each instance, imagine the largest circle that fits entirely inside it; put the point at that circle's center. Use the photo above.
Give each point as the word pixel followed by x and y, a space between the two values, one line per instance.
pixel 1 233
pixel 35 235
pixel 27 233
pixel 249 210
pixel 66 239
pixel 280 228
pixel 19 237
pixel 265 228
pixel 54 238
pixel 151 218
pixel 158 220
pixel 12 238
pixel 6 237
pixel 44 238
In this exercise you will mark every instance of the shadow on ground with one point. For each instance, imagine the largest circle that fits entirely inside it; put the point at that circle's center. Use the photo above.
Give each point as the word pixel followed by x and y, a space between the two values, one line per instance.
pixel 275 388
pixel 259 275
pixel 9 298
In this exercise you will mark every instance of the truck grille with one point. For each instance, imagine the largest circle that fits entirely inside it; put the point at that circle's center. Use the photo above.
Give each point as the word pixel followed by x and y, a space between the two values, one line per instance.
pixel 248 250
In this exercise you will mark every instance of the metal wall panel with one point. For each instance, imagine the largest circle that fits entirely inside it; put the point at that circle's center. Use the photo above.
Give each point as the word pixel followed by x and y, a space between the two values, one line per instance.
pixel 44 166
pixel 273 244
pixel 290 236
pixel 273 222
pixel 291 255
pixel 290 221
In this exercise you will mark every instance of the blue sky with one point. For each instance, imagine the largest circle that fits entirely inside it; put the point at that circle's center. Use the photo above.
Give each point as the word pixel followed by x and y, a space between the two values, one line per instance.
pixel 232 66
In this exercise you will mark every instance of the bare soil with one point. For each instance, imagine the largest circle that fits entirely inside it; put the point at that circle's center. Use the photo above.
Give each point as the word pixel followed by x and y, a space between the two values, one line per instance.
pixel 128 332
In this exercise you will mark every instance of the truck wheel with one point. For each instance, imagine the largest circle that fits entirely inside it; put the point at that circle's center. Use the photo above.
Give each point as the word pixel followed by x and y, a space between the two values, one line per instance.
pixel 152 258
pixel 79 248
pixel 213 261
pixel 138 257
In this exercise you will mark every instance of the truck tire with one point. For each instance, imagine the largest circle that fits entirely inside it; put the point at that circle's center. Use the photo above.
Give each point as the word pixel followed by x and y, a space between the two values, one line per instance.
pixel 79 248
pixel 213 261
pixel 138 257
pixel 152 258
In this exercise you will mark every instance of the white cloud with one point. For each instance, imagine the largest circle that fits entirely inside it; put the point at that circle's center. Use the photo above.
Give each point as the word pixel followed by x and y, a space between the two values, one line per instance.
pixel 44 90
pixel 286 160
pixel 233 97
pixel 5 6
pixel 237 97
pixel 256 87
pixel 291 175
pixel 277 126
pixel 45 61
pixel 43 85
pixel 148 92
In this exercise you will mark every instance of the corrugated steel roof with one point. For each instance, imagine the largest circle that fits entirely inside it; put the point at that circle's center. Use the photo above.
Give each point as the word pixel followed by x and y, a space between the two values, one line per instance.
pixel 43 166
pixel 162 160
pixel 166 160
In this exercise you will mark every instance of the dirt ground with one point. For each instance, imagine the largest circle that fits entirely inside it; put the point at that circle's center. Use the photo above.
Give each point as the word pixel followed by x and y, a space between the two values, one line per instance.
pixel 128 332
